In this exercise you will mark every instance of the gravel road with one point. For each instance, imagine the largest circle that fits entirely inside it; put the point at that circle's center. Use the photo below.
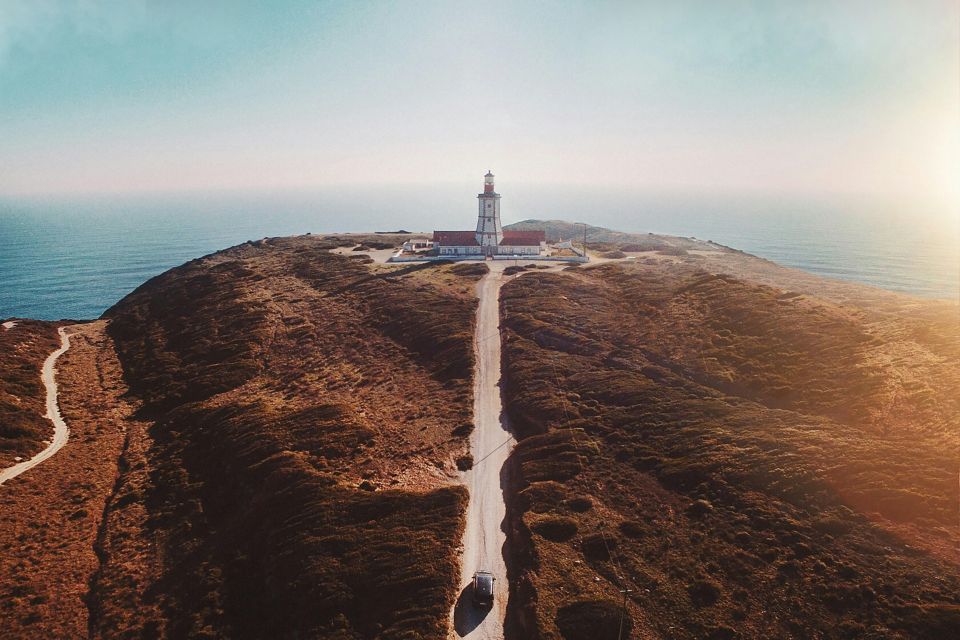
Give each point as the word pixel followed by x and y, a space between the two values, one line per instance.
pixel 491 443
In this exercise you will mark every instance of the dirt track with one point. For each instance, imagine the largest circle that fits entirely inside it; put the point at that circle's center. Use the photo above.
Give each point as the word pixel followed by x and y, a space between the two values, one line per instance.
pixel 491 443
pixel 484 539
pixel 49 517
pixel 60 431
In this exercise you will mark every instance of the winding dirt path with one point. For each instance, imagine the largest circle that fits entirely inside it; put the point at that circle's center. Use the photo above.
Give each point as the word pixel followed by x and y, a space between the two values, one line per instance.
pixel 60 430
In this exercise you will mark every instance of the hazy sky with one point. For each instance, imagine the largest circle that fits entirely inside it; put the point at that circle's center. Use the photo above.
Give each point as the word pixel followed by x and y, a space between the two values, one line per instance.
pixel 799 96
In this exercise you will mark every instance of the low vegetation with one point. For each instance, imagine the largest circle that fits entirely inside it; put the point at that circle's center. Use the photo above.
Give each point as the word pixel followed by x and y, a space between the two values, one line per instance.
pixel 50 515
pixel 22 426
pixel 308 415
pixel 608 242
pixel 700 455
pixel 748 461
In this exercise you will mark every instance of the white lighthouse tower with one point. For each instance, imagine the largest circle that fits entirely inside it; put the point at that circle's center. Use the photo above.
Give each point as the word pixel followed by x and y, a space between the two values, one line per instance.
pixel 489 233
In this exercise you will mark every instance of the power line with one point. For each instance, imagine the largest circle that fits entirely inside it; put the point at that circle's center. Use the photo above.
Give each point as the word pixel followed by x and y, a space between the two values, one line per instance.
pixel 491 452
pixel 623 610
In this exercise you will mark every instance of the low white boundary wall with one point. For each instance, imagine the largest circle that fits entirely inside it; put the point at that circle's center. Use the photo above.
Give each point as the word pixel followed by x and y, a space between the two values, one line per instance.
pixel 482 258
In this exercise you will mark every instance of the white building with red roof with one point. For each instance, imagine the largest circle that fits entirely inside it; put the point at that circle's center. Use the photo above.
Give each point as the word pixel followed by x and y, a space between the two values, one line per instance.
pixel 489 239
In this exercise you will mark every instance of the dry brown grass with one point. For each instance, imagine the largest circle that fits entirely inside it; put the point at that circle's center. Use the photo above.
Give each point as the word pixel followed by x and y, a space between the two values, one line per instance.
pixel 308 415
pixel 49 516
pixel 22 352
pixel 757 462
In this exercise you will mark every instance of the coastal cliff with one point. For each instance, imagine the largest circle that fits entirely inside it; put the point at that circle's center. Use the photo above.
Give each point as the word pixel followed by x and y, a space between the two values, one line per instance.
pixel 267 442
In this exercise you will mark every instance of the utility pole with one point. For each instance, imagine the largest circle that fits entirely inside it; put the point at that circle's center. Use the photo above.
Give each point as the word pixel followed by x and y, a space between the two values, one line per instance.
pixel 623 609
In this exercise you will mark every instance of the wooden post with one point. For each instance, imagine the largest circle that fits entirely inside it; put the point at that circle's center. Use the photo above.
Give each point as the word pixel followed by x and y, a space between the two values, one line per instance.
pixel 623 608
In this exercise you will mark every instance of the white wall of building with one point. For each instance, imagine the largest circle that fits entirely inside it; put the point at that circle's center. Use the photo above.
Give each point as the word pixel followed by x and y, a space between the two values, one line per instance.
pixel 489 232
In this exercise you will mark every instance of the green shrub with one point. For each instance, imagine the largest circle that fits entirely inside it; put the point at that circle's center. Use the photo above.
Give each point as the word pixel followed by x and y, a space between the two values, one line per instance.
pixel 555 528
pixel 833 526
pixel 579 505
pixel 699 508
pixel 593 620
pixel 632 529
pixel 598 546
pixel 704 593
pixel 468 269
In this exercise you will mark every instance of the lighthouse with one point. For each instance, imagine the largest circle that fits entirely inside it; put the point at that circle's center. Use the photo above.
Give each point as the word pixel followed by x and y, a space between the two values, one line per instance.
pixel 489 233
pixel 489 240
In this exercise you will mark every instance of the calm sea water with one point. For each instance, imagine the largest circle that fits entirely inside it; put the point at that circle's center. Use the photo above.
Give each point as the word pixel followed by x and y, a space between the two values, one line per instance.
pixel 75 258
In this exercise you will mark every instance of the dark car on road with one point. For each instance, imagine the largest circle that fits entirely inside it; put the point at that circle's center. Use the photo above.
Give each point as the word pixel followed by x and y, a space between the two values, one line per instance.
pixel 483 589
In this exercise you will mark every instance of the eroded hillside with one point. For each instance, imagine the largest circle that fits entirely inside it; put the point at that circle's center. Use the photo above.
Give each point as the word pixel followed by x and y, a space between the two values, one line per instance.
pixel 307 412
pixel 749 460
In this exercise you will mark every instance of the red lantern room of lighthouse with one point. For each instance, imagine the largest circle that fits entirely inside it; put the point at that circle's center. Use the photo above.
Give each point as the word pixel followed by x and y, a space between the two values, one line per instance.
pixel 489 233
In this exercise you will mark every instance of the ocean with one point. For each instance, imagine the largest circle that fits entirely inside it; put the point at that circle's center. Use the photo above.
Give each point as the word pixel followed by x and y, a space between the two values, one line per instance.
pixel 75 257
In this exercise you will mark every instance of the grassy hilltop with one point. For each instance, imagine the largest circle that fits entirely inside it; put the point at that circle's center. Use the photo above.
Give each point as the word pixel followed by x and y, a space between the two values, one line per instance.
pixel 265 443
pixel 749 460
pixel 308 413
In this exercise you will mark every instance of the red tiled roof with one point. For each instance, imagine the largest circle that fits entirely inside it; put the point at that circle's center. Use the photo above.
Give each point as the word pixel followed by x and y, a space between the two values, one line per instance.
pixel 469 238
pixel 455 238
pixel 523 238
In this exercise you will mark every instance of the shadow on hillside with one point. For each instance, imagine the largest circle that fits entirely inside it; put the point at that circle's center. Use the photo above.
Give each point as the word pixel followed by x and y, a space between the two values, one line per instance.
pixel 419 266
